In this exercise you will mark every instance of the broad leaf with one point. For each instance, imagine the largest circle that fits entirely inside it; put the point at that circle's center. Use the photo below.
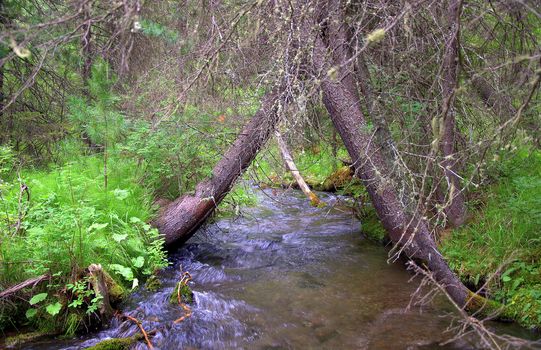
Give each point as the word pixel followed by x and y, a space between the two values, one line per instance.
pixel 121 194
pixel 138 262
pixel 96 227
pixel 38 298
pixel 54 309
pixel 124 271
pixel 119 237
pixel 30 313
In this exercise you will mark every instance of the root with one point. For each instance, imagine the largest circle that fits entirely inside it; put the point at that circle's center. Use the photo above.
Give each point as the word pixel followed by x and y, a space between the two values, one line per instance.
pixel 186 277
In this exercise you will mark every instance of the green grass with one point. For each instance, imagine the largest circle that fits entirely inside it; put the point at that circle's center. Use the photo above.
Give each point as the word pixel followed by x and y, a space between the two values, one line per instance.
pixel 504 238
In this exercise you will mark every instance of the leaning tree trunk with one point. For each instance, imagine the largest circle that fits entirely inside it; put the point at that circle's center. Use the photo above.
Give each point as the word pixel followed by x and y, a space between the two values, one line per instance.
pixel 407 230
pixel 292 167
pixel 455 208
pixel 179 220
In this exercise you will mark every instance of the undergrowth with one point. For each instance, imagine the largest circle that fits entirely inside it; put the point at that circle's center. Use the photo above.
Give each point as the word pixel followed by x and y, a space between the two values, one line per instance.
pixel 93 203
pixel 70 220
pixel 503 238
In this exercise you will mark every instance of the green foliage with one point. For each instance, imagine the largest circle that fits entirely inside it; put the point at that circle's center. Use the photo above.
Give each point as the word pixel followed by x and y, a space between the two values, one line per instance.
pixel 38 298
pixel 315 163
pixel 240 195
pixel 172 159
pixel 97 115
pixel 70 219
pixel 506 229
pixel 82 297
pixel 155 29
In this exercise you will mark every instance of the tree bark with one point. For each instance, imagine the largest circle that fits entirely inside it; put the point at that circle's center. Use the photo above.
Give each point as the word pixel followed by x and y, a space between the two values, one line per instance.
pixel 179 220
pixel 290 165
pixel 409 231
pixel 455 207
pixel 4 21
pixel 86 43
pixel 86 70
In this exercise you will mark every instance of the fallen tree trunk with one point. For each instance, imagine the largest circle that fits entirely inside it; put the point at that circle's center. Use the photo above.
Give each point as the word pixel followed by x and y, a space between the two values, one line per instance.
pixel 409 231
pixel 290 164
pixel 179 220
pixel 32 282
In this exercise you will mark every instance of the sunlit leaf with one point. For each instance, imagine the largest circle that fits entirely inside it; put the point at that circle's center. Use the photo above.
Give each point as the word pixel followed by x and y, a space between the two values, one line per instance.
pixel 138 262
pixel 121 194
pixel 54 309
pixel 120 237
pixel 30 313
pixel 38 298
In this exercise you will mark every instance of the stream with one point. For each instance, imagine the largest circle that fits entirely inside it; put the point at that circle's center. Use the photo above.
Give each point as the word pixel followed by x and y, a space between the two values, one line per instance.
pixel 285 275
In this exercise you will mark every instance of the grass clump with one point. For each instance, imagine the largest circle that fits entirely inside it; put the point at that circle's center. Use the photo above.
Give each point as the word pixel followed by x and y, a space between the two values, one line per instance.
pixel 503 237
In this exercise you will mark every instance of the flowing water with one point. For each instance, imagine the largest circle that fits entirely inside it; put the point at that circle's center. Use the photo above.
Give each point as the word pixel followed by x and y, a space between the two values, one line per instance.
pixel 285 275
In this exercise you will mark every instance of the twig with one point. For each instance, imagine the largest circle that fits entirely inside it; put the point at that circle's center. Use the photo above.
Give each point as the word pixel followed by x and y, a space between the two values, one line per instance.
pixel 186 277
pixel 140 325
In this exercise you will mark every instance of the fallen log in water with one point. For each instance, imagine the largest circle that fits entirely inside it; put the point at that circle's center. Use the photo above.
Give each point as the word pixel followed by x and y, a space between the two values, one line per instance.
pixel 179 220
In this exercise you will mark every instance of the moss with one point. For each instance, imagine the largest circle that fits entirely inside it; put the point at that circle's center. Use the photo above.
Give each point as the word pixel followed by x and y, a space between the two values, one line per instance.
pixel 19 339
pixel 371 226
pixel 482 306
pixel 116 291
pixel 186 294
pixel 115 344
pixel 338 179
pixel 153 283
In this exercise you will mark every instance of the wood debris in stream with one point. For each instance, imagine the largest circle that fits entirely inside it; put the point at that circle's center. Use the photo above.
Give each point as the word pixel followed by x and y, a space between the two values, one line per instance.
pixel 140 325
pixel 186 277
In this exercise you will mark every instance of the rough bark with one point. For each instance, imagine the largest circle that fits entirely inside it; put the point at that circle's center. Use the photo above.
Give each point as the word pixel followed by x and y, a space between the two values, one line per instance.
pixel 86 42
pixel 405 229
pixel 455 207
pixel 98 280
pixel 4 21
pixel 179 220
pixel 86 70
pixel 290 164
pixel 1 93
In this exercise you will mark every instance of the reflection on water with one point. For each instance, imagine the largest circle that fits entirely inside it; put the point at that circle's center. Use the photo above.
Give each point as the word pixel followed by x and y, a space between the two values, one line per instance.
pixel 286 276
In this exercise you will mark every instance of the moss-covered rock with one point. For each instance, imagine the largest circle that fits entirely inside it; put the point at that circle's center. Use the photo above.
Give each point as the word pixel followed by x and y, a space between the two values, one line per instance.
pixel 186 294
pixel 153 283
pixel 338 179
pixel 115 344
